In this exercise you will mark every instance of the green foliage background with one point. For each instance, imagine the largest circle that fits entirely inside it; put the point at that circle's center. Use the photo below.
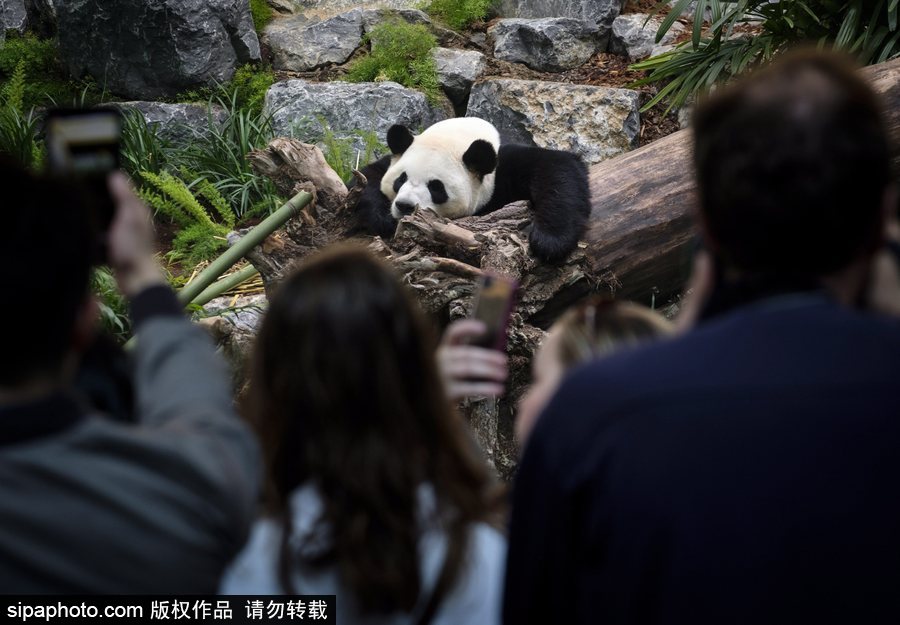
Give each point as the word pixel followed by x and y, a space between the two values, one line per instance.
pixel 460 13
pixel 401 52
pixel 718 51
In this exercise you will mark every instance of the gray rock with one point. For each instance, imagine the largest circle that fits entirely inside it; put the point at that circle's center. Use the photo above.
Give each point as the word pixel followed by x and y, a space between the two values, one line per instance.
pixel 342 5
pixel 316 10
pixel 179 124
pixel 661 49
pixel 595 122
pixel 457 70
pixel 42 16
pixel 373 17
pixel 245 313
pixel 300 46
pixel 302 109
pixel 552 44
pixel 600 12
pixel 633 36
pixel 12 16
pixel 148 50
pixel 284 7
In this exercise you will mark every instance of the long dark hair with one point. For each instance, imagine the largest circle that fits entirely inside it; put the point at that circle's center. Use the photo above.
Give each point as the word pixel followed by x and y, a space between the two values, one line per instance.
pixel 346 397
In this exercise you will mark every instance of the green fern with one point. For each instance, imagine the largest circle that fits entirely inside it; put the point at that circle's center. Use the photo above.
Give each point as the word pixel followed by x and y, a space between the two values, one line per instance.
pixel 18 127
pixel 209 193
pixel 197 243
pixel 14 90
pixel 162 205
pixel 187 208
pixel 200 238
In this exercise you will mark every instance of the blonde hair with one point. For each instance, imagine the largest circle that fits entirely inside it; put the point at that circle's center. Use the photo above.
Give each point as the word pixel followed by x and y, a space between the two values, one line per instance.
pixel 600 326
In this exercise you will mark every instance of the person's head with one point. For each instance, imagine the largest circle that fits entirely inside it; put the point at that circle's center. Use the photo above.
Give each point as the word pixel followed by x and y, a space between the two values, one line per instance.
pixel 793 169
pixel 45 245
pixel 591 330
pixel 346 397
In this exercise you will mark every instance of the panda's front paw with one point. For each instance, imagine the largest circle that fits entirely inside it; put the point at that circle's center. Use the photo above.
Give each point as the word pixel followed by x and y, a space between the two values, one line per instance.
pixel 553 250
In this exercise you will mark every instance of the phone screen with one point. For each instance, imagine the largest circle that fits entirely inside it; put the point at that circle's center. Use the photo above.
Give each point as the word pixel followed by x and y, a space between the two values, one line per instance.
pixel 83 147
pixel 493 306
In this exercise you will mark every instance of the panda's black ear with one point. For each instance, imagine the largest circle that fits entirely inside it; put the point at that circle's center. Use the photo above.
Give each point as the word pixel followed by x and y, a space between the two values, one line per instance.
pixel 480 158
pixel 399 138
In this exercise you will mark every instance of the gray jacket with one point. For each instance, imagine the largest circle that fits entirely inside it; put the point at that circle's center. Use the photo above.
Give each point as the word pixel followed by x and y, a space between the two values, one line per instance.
pixel 161 507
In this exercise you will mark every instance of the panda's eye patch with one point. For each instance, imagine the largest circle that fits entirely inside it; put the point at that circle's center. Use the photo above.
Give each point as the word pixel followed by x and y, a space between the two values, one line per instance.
pixel 438 191
pixel 399 182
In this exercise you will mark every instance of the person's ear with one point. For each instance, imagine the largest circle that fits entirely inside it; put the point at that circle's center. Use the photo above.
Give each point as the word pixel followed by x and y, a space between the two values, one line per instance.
pixel 85 327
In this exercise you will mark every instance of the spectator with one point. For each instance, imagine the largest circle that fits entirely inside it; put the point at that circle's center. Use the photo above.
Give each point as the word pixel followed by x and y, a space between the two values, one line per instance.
pixel 88 505
pixel 593 329
pixel 746 471
pixel 376 494
pixel 597 328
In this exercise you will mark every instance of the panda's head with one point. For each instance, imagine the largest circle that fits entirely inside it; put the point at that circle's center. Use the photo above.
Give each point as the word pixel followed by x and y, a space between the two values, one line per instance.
pixel 449 168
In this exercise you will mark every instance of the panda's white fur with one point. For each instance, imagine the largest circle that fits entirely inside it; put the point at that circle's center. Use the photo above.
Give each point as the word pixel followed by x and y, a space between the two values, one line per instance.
pixel 440 148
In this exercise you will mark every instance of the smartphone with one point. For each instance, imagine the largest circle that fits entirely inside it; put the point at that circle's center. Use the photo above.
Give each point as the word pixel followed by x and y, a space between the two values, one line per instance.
pixel 494 302
pixel 83 147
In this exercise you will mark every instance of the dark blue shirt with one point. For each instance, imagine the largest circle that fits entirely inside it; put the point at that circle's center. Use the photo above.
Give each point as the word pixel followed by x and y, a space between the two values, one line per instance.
pixel 748 472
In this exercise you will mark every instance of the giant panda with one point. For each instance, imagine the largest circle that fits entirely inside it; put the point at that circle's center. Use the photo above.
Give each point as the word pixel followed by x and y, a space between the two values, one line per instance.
pixel 457 167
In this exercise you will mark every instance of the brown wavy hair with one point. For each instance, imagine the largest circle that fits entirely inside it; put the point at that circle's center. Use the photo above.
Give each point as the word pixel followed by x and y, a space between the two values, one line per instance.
pixel 345 396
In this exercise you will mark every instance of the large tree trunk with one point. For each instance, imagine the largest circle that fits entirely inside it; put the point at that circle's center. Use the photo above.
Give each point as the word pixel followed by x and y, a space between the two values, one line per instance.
pixel 636 246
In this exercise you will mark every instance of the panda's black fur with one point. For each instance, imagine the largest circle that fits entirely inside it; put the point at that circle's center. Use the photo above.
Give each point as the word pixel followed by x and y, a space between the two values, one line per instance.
pixel 553 181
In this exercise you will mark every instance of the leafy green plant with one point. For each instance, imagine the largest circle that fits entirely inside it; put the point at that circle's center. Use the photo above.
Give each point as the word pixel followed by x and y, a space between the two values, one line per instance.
pixel 142 147
pixel 342 155
pixel 200 237
pixel 220 157
pixel 400 52
pixel 47 79
pixel 262 14
pixel 18 127
pixel 247 88
pixel 113 307
pixel 460 13
pixel 717 51
pixel 250 85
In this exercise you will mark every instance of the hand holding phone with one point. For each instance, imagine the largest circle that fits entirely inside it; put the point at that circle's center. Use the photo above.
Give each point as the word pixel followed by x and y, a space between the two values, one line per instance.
pixel 493 306
pixel 83 147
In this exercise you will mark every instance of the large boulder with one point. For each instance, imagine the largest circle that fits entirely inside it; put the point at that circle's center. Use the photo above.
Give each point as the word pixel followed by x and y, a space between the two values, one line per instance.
pixel 600 12
pixel 304 109
pixel 179 124
pixel 12 17
pixel 300 46
pixel 552 44
pixel 323 9
pixel 634 36
pixel 457 71
pixel 150 49
pixel 42 16
pixel 594 122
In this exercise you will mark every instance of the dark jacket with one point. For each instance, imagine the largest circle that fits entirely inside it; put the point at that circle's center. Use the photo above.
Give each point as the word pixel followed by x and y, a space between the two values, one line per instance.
pixel 748 472
pixel 88 505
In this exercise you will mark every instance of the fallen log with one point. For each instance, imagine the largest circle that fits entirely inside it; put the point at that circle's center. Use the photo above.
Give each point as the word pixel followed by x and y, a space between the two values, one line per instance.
pixel 642 217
